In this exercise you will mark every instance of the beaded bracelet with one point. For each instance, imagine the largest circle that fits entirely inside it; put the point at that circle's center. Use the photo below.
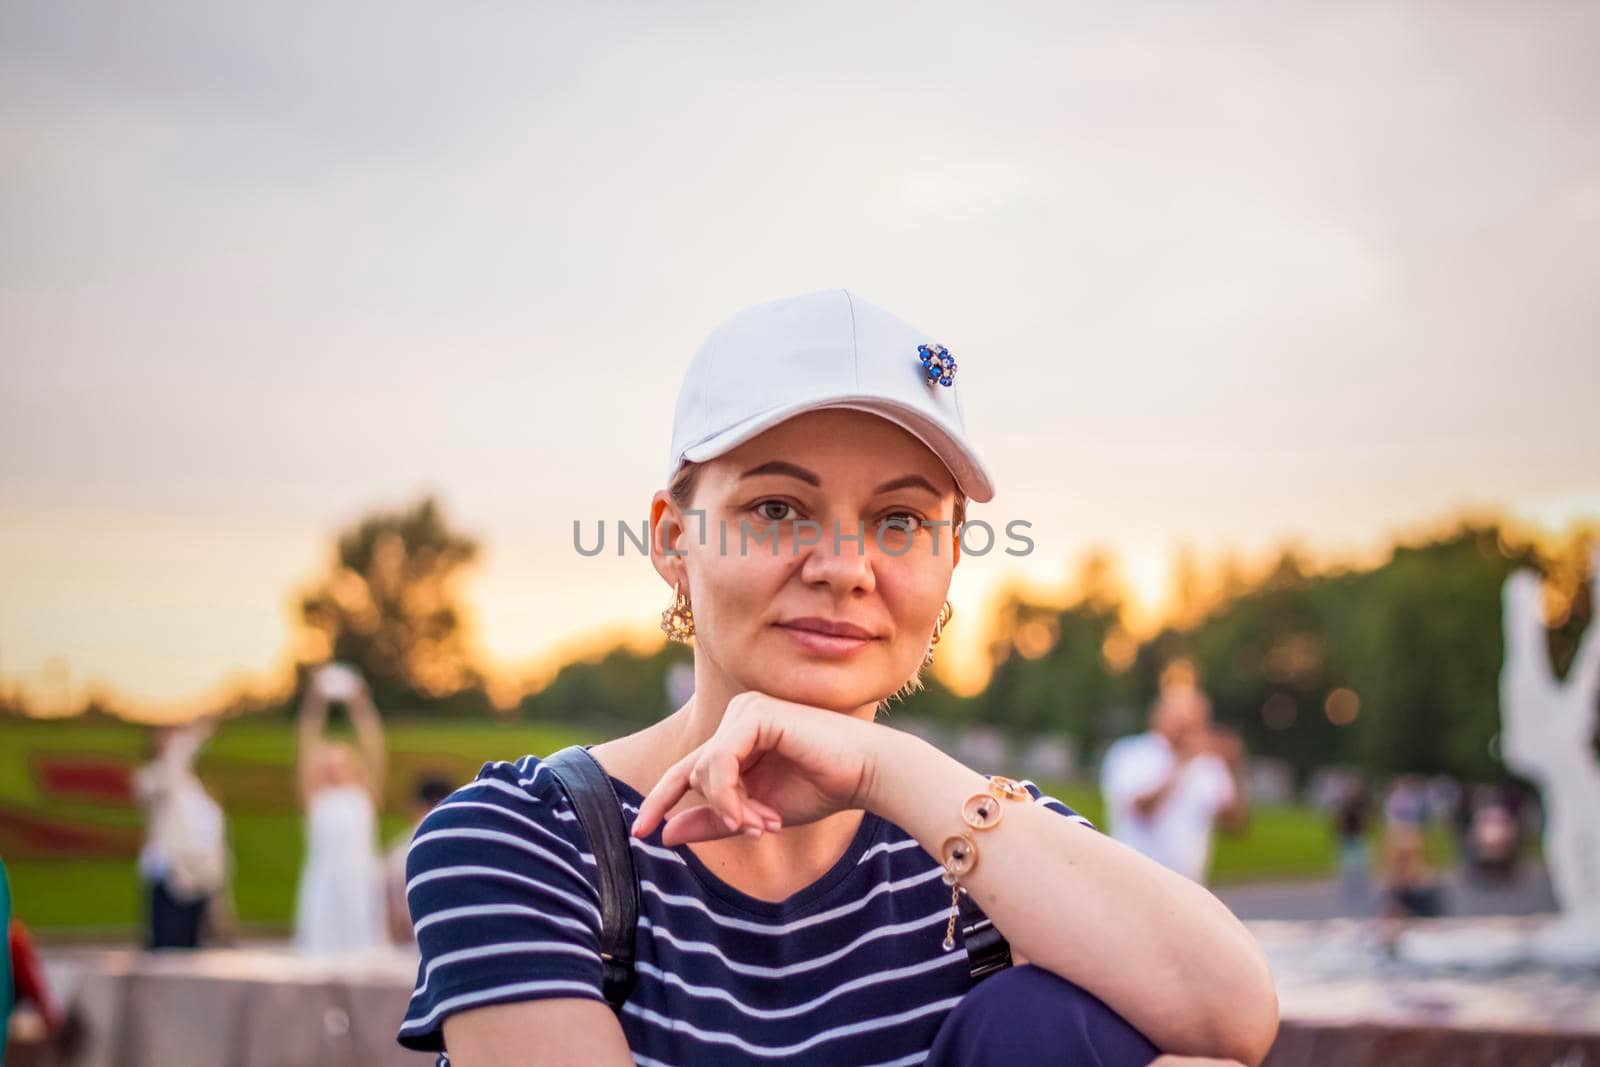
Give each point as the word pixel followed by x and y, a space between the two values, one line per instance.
pixel 959 853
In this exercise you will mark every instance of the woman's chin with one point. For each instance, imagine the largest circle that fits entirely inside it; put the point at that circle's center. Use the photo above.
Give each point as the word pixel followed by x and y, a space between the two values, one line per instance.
pixel 809 684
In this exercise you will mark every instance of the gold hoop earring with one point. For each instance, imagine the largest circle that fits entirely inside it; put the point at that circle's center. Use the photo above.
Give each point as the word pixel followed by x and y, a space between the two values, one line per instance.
pixel 938 628
pixel 678 620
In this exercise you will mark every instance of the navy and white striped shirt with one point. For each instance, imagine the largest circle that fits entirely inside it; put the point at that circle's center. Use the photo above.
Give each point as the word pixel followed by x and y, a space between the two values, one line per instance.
pixel 850 969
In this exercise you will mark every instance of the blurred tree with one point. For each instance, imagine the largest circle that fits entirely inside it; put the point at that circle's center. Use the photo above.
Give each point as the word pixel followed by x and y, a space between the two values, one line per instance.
pixel 1392 668
pixel 1264 658
pixel 1424 639
pixel 390 608
pixel 1058 670
pixel 1188 597
pixel 621 689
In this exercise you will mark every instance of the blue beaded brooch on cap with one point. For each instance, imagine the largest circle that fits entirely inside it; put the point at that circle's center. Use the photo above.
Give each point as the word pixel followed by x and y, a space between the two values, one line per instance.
pixel 938 362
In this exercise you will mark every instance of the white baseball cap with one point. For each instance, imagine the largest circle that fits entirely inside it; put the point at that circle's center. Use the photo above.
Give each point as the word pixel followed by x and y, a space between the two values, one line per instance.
pixel 827 349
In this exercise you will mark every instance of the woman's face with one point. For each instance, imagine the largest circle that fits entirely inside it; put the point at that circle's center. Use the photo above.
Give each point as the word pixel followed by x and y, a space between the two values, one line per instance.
pixel 759 601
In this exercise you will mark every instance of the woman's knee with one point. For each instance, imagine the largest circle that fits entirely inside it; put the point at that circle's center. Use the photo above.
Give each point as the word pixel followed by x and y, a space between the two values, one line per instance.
pixel 1030 1015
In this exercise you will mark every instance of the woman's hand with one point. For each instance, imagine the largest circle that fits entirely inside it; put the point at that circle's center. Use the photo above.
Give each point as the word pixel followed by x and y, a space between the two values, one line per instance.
pixel 772 763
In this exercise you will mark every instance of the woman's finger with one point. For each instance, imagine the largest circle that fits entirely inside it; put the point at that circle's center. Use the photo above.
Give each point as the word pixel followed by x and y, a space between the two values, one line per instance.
pixel 703 823
pixel 770 818
pixel 667 792
pixel 697 782
pixel 719 784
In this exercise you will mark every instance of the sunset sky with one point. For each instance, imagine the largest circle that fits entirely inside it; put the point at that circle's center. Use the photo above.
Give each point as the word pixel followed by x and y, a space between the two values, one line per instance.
pixel 1216 275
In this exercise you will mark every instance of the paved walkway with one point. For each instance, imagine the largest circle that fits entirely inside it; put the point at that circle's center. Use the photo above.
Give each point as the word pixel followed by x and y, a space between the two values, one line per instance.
pixel 1529 894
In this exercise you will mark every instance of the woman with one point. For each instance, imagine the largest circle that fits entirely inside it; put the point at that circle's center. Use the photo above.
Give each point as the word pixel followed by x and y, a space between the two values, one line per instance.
pixel 792 852
pixel 340 901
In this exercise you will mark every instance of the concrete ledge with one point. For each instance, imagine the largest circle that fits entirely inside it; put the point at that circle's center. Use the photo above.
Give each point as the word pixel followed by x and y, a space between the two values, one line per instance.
pixel 268 1006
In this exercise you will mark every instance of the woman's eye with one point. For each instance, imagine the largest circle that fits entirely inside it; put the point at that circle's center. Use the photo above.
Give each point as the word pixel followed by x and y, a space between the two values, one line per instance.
pixel 905 521
pixel 762 507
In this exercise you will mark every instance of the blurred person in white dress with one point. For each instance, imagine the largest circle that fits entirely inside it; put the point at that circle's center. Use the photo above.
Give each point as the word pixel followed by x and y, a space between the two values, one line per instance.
pixel 1167 788
pixel 340 906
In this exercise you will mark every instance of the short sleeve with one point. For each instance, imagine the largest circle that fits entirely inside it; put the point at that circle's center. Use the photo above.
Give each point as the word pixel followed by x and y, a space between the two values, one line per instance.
pixel 504 900
pixel 1053 804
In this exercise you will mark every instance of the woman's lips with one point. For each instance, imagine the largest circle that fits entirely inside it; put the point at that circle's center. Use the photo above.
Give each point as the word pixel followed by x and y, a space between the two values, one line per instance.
pixel 825 644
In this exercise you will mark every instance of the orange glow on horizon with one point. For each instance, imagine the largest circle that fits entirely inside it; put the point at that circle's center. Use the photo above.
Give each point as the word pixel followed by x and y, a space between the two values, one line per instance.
pixel 1148 602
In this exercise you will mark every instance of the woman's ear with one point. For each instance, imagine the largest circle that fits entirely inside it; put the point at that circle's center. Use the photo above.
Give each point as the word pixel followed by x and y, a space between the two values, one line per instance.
pixel 666 538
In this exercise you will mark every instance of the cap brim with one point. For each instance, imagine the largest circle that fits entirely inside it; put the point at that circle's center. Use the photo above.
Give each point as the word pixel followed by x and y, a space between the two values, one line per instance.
pixel 964 465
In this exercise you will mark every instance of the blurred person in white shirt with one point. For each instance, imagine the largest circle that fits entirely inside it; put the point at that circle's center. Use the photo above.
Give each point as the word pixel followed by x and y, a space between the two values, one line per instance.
pixel 184 861
pixel 1167 788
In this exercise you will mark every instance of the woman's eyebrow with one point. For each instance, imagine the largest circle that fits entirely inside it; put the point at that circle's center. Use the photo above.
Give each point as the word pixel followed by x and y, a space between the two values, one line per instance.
pixel 910 481
pixel 778 466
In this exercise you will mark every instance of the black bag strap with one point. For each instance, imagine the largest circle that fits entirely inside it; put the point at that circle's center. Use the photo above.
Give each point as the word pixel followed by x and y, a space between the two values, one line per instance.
pixel 987 950
pixel 600 814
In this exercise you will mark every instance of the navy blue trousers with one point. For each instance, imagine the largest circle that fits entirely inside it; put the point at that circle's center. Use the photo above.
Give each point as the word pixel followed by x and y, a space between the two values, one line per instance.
pixel 1027 1015
pixel 173 923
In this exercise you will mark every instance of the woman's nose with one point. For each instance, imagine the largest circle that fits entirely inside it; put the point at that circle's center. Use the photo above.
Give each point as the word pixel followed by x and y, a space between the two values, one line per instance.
pixel 841 556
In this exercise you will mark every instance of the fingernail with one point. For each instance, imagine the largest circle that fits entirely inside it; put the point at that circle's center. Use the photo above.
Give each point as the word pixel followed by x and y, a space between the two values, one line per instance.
pixel 774 825
pixel 733 824
pixel 752 831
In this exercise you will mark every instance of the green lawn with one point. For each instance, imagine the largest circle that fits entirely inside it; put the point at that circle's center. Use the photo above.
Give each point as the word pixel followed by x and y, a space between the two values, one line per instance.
pixel 1281 842
pixel 248 765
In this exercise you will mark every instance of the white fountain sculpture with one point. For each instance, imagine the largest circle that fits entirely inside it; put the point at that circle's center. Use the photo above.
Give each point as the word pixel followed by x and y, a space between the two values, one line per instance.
pixel 1547 730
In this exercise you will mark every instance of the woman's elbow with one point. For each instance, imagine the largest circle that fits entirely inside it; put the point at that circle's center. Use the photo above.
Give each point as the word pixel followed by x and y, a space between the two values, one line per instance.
pixel 1248 1024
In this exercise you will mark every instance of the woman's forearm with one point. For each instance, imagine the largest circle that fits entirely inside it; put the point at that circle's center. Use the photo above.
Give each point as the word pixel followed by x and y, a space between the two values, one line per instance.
pixel 1160 950
pixel 308 731
pixel 313 712
pixel 1150 801
pixel 369 734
